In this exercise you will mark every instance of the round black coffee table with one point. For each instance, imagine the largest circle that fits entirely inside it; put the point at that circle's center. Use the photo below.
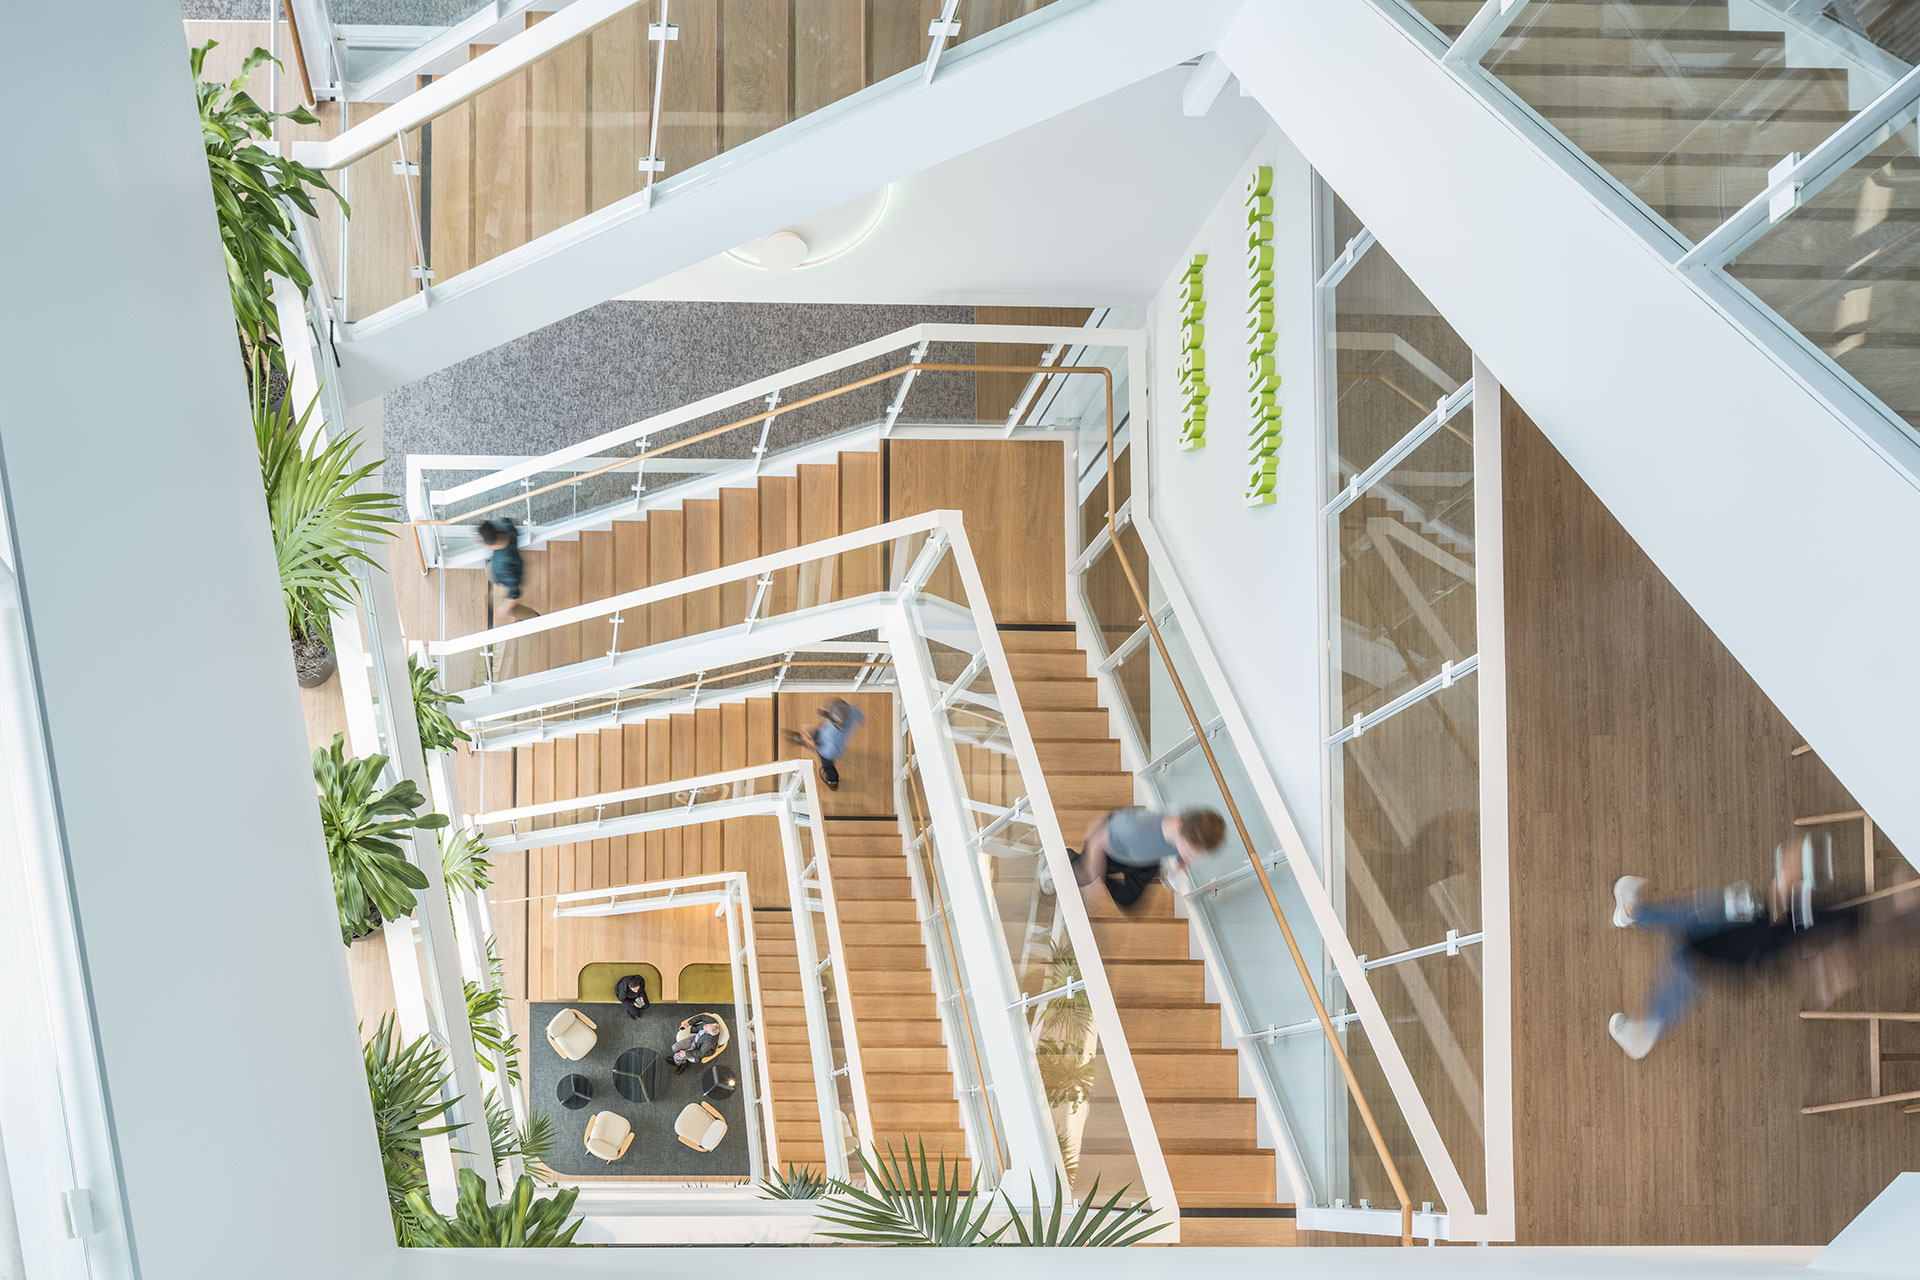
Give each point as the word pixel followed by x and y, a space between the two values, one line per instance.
pixel 574 1091
pixel 636 1074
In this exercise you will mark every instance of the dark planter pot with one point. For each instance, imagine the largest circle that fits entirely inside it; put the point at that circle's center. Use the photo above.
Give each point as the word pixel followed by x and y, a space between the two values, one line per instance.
pixel 313 663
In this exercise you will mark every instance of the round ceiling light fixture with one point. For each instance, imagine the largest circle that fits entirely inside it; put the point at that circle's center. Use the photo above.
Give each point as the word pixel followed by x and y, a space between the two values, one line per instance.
pixel 815 241
pixel 783 251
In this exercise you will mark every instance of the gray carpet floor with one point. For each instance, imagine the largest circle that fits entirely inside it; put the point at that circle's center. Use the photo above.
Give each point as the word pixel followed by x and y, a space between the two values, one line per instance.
pixel 655 1151
pixel 616 363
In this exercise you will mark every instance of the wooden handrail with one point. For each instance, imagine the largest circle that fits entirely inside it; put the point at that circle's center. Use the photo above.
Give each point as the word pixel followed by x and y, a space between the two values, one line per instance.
pixel 299 57
pixel 1246 837
pixel 1300 965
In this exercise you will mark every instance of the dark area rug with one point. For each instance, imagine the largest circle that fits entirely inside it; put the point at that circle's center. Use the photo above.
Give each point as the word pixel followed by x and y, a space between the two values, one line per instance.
pixel 656 1151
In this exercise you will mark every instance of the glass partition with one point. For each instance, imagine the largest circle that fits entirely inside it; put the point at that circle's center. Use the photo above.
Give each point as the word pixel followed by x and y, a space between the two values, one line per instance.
pixel 1688 105
pixel 374 34
pixel 1392 359
pixel 1843 270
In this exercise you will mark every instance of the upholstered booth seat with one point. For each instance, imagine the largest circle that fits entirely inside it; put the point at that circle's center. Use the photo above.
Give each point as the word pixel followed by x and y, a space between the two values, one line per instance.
pixel 572 1034
pixel 700 1126
pixel 609 1136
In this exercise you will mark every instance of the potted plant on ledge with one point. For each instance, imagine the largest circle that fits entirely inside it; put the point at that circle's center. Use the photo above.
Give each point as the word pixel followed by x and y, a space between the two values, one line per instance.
pixel 321 525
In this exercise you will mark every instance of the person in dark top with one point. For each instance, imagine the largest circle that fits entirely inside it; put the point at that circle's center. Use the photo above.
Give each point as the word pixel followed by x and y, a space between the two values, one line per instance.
pixel 839 719
pixel 1729 930
pixel 631 991
pixel 699 1036
pixel 505 569
pixel 1123 851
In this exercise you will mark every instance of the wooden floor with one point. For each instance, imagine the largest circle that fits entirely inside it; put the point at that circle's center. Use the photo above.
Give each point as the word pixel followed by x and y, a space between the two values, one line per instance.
pixel 1639 745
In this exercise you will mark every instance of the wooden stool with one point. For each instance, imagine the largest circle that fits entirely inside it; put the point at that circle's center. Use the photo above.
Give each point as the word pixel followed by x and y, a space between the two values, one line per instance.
pixel 1869 856
pixel 1876 1057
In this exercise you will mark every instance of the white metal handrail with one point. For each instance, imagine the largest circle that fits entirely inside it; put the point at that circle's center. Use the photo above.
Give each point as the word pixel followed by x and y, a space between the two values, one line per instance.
pixel 912 337
pixel 463 83
pixel 825 549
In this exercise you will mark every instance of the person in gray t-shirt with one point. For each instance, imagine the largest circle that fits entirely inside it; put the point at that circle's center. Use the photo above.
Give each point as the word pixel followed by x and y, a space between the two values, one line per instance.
pixel 1124 850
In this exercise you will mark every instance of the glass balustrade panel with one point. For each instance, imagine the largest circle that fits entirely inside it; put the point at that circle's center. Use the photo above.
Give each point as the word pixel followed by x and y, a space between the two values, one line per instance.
pixel 1150 695
pixel 1843 270
pixel 1109 593
pixel 1688 105
pixel 1408 824
pixel 1394 359
pixel 375 34
pixel 1358 1177
pixel 1404 574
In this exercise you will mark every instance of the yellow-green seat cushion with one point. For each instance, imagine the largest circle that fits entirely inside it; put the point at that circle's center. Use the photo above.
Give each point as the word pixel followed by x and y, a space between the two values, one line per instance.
pixel 596 980
pixel 707 984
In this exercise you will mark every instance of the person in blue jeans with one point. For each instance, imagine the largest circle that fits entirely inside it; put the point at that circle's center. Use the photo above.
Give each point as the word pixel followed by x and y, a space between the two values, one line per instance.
pixel 839 720
pixel 1727 929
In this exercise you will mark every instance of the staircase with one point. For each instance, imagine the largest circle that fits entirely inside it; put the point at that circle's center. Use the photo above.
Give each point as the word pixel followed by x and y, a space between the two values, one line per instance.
pixel 780 511
pixel 910 1085
pixel 1207 1130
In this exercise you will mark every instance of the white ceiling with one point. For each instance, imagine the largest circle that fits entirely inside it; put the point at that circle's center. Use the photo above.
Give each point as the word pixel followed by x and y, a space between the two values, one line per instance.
pixel 1088 208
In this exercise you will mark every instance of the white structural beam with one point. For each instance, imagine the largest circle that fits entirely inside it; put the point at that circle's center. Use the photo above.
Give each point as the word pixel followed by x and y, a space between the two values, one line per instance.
pixel 823 160
pixel 1736 473
pixel 164 901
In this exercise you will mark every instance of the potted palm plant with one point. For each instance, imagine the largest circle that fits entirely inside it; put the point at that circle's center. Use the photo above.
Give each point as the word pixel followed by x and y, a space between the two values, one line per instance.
pixel 372 879
pixel 321 524
pixel 252 189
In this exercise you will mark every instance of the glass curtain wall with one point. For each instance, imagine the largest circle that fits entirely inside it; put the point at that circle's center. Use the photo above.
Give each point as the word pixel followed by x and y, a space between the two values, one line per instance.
pixel 1775 138
pixel 1402 731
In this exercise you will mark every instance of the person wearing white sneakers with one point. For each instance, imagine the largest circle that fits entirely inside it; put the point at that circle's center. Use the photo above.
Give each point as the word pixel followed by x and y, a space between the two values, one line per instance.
pixel 1724 927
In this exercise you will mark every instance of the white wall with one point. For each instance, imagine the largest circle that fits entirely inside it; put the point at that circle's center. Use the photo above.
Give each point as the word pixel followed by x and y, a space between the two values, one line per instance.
pixel 1088 208
pixel 1250 571
pixel 159 646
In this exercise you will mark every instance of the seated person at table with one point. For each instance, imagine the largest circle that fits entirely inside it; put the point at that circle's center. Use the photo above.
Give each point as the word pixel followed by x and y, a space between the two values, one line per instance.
pixel 631 991
pixel 699 1036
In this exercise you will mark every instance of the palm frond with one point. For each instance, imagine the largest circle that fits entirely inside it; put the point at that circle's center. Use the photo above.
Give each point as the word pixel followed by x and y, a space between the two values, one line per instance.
pixel 797 1184
pixel 1094 1225
pixel 322 524
pixel 463 862
pixel 533 1142
pixel 438 732
pixel 492 1043
pixel 405 1083
pixel 909 1202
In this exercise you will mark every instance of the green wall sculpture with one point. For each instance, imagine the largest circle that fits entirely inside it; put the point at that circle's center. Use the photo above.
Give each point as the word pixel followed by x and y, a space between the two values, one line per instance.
pixel 1263 376
pixel 1193 356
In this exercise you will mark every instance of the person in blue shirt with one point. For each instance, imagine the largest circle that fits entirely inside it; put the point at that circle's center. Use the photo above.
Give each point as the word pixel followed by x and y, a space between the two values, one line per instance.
pixel 505 569
pixel 839 720
pixel 1123 851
